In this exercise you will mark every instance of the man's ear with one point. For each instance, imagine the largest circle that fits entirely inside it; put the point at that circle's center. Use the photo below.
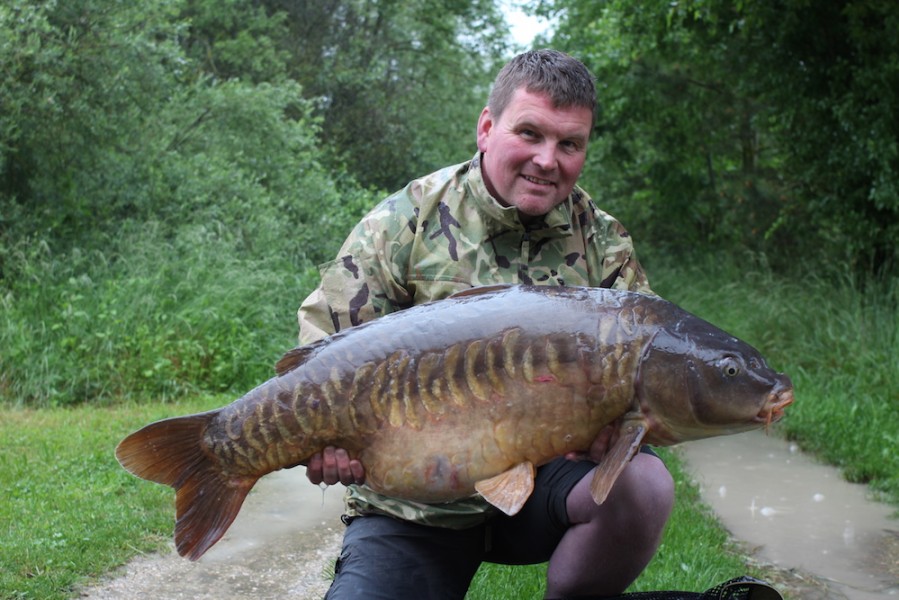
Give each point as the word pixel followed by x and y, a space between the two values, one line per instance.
pixel 485 125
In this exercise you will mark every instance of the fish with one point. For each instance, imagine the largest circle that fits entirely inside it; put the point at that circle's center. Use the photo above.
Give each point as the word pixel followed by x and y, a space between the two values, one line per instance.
pixel 464 396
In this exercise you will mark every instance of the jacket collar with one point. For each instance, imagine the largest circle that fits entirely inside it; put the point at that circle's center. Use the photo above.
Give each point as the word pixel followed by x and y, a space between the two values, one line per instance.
pixel 556 223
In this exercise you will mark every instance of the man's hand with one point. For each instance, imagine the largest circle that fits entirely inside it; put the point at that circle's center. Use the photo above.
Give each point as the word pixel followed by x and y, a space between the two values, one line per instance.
pixel 333 465
pixel 606 438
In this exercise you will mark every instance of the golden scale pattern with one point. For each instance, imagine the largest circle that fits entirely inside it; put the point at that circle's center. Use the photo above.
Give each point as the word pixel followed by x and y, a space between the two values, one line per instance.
pixel 403 392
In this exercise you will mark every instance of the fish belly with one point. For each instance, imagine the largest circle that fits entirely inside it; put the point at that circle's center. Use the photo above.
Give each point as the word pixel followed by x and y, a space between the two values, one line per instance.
pixel 442 460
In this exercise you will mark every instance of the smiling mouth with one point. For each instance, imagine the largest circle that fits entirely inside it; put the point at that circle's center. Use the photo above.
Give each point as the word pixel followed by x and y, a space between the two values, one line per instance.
pixel 537 180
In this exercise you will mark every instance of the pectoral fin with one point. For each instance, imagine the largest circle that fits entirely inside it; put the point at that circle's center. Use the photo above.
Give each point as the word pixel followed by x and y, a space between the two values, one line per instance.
pixel 613 463
pixel 509 490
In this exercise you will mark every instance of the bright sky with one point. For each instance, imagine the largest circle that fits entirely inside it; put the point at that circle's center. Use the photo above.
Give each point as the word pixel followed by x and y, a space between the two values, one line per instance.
pixel 524 28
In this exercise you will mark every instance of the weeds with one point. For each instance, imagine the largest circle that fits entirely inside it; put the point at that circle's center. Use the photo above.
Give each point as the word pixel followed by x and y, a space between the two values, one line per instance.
pixel 173 316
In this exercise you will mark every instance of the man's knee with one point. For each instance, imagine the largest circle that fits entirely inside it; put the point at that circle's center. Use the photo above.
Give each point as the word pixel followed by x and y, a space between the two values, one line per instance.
pixel 641 498
pixel 387 558
pixel 657 480
pixel 648 491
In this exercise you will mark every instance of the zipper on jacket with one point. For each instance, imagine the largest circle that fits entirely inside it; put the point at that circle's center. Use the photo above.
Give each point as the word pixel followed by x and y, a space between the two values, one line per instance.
pixel 524 259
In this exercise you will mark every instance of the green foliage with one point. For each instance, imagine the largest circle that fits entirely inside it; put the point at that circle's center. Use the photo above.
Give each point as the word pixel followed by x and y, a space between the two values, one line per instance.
pixel 199 297
pixel 80 82
pixel 157 226
pixel 400 84
pixel 236 39
pixel 247 158
pixel 764 126
pixel 394 82
pixel 173 316
pixel 122 124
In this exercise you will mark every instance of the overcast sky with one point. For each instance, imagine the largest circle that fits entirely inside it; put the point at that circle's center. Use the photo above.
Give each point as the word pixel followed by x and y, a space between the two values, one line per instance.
pixel 524 27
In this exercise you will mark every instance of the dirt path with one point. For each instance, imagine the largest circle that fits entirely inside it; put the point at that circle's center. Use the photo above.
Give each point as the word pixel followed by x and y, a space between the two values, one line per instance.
pixel 769 496
pixel 280 546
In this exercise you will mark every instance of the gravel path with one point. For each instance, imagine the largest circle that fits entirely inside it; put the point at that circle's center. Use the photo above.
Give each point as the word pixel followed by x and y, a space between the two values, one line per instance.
pixel 281 545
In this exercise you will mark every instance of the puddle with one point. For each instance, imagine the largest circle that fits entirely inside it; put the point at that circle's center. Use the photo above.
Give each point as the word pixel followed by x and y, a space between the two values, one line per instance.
pixel 799 514
pixel 284 538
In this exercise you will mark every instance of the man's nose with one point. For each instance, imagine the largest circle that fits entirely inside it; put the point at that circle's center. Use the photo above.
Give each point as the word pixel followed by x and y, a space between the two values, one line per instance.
pixel 545 156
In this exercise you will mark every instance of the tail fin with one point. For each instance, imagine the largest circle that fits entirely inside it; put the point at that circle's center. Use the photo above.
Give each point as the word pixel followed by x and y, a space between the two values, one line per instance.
pixel 207 499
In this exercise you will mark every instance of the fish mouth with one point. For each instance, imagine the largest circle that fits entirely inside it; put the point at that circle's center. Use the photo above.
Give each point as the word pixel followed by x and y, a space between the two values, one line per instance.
pixel 773 410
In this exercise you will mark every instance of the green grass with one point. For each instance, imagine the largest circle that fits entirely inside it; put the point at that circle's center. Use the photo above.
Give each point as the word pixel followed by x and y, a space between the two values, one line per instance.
pixel 69 511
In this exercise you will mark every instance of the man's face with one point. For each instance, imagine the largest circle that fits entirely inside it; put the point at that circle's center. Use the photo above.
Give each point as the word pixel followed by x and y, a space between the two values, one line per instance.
pixel 533 153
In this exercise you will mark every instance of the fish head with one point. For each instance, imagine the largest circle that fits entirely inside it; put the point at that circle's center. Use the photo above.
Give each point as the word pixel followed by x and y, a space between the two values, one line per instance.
pixel 697 381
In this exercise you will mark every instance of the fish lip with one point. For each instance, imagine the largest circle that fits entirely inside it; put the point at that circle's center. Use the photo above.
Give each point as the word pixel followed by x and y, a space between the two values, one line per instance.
pixel 775 403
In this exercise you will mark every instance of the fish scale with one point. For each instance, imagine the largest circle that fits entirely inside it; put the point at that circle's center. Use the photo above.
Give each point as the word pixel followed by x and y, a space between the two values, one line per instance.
pixel 466 396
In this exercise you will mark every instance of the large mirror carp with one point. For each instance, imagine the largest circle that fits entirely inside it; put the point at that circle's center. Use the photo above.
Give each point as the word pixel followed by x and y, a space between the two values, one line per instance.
pixel 466 396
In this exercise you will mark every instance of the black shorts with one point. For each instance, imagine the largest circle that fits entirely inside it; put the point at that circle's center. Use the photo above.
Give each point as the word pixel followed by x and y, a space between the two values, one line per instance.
pixel 387 558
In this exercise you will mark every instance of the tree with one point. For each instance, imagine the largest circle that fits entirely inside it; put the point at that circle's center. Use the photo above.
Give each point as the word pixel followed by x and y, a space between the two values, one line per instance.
pixel 398 84
pixel 751 124
pixel 158 224
pixel 80 83
pixel 105 118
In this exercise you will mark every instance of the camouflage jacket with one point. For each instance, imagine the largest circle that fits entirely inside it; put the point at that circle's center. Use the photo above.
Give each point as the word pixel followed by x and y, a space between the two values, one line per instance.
pixel 444 233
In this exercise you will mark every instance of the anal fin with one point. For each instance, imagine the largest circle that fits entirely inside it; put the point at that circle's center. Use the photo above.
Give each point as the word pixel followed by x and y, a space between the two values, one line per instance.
pixel 613 463
pixel 509 490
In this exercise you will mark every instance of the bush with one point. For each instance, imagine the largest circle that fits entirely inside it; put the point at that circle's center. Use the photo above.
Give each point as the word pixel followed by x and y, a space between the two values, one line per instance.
pixel 159 227
pixel 173 316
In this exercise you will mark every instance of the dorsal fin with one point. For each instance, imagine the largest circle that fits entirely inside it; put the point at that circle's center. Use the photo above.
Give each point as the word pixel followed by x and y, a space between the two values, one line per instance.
pixel 292 359
pixel 482 289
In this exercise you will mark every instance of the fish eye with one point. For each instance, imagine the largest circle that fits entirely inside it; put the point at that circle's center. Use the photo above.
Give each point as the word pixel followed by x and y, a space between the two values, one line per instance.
pixel 729 366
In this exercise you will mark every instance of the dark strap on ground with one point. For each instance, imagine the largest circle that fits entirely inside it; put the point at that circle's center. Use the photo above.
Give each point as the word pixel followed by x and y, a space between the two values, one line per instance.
pixel 741 588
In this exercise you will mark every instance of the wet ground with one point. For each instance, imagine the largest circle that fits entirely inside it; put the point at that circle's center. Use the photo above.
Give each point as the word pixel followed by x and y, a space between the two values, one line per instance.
pixel 281 545
pixel 829 540
pixel 799 515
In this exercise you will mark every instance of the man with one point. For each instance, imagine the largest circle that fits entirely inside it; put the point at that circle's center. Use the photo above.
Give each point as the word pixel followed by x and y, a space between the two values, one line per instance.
pixel 513 214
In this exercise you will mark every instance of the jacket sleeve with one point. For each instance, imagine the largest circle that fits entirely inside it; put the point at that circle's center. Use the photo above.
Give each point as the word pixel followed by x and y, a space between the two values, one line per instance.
pixel 613 258
pixel 365 281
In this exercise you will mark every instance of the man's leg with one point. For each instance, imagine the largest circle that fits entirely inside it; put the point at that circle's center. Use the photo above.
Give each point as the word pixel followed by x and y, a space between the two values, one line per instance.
pixel 592 550
pixel 385 558
pixel 608 546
